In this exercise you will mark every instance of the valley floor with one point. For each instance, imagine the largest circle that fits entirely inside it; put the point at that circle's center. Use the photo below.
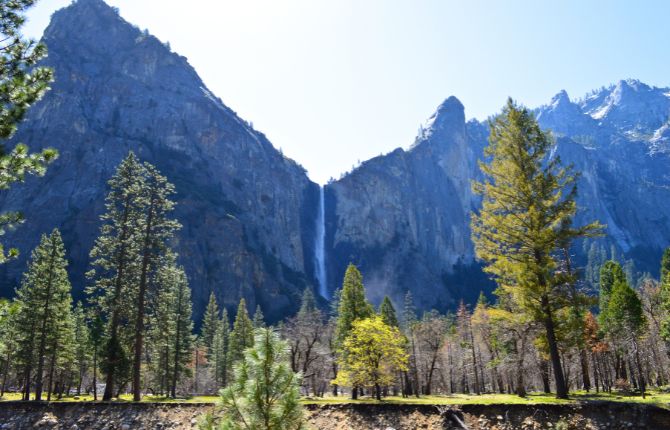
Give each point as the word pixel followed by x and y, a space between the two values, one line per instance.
pixel 428 413
pixel 659 398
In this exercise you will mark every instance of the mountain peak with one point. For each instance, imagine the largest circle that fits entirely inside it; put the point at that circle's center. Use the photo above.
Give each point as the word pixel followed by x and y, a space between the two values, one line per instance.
pixel 450 112
pixel 560 98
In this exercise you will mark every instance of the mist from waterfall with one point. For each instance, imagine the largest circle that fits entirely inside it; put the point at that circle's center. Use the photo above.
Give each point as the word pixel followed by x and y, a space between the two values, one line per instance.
pixel 320 247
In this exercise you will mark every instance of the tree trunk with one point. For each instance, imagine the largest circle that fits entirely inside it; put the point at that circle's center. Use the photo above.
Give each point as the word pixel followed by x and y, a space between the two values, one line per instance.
pixel 45 319
pixel 544 374
pixel 139 318
pixel 113 341
pixel 559 380
pixel 175 375
pixel 586 379
pixel 95 373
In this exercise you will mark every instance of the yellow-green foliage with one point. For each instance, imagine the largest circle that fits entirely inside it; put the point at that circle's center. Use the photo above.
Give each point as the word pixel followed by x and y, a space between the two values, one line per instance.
pixel 371 354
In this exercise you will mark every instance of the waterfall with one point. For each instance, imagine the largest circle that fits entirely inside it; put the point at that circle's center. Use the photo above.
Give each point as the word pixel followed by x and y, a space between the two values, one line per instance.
pixel 320 247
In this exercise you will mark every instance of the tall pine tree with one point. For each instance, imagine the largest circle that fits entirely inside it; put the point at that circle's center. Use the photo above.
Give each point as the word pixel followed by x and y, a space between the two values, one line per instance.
pixel 44 306
pixel 157 229
pixel 116 258
pixel 526 215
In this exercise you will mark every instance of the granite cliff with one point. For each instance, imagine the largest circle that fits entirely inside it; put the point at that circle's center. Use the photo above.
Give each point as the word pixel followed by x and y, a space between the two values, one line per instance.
pixel 252 218
pixel 248 212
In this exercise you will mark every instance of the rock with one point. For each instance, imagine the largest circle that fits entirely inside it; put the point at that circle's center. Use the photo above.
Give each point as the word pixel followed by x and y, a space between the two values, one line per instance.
pixel 248 212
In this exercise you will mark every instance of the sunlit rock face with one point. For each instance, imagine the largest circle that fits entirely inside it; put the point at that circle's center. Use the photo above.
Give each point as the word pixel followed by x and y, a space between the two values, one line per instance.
pixel 247 211
pixel 404 217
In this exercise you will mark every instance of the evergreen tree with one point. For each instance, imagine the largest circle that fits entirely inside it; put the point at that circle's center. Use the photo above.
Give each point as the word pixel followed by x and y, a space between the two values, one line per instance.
pixel 387 313
pixel 265 393
pixel 625 321
pixel 44 307
pixel 242 335
pixel 221 350
pixel 9 333
pixel 610 273
pixel 182 320
pixel 408 312
pixel 353 304
pixel 527 211
pixel 134 236
pixel 259 319
pixel 22 83
pixel 116 258
pixel 307 302
pixel 210 322
pixel 157 229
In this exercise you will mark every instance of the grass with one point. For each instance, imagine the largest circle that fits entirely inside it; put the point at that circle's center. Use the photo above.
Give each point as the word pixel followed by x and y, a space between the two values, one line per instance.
pixel 657 398
pixel 653 397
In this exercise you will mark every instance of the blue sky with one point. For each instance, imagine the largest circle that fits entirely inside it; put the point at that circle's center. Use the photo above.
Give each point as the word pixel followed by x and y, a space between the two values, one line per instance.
pixel 335 82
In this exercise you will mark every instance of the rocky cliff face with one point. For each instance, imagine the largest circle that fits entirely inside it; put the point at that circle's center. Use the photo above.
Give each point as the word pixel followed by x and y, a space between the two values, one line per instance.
pixel 248 212
pixel 404 217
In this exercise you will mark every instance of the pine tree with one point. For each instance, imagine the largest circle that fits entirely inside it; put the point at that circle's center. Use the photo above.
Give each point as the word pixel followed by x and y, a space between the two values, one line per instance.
pixel 353 304
pixel 307 302
pixel 210 321
pixel 9 334
pixel 221 350
pixel 387 313
pixel 265 393
pixel 157 229
pixel 625 321
pixel 528 205
pixel 610 273
pixel 182 320
pixel 44 304
pixel 116 258
pixel 242 335
pixel 22 83
pixel 259 318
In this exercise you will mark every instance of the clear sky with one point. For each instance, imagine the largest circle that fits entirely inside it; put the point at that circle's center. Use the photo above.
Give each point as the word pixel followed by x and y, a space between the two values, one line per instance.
pixel 335 82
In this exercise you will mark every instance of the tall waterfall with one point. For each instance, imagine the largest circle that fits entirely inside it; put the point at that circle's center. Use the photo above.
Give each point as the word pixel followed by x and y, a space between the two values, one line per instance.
pixel 320 247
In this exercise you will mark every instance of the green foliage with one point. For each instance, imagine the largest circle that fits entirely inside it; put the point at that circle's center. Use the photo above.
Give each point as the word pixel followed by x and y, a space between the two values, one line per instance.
pixel 44 303
pixel 624 317
pixel 133 238
pixel 352 304
pixel 259 319
pixel 210 321
pixel 610 273
pixel 387 313
pixel 372 354
pixel 242 335
pixel 526 219
pixel 265 392
pixel 170 337
pixel 221 355
pixel 21 85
